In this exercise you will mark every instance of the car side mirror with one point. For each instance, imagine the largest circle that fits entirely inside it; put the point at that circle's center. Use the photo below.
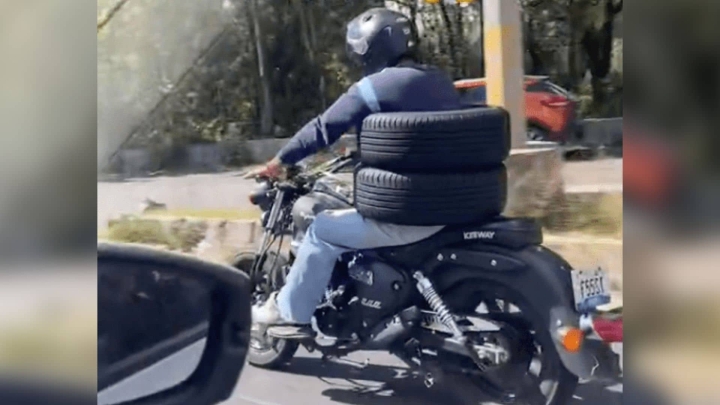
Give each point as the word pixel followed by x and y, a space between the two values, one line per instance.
pixel 172 329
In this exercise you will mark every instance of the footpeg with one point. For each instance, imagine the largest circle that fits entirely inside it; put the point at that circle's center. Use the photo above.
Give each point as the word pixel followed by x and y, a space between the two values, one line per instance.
pixel 291 332
pixel 429 380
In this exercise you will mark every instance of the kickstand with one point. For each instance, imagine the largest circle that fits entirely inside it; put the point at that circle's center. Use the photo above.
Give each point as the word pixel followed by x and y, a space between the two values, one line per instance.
pixel 355 366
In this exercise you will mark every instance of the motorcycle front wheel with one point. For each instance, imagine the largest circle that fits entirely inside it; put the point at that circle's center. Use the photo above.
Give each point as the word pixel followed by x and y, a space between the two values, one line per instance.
pixel 264 351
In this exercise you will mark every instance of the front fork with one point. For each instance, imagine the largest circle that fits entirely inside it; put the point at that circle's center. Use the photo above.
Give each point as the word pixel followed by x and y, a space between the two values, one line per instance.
pixel 268 231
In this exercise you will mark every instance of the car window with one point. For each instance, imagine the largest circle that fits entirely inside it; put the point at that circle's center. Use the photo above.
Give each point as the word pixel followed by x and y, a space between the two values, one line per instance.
pixel 477 95
pixel 547 87
pixel 148 307
pixel 554 88
pixel 536 87
pixel 148 314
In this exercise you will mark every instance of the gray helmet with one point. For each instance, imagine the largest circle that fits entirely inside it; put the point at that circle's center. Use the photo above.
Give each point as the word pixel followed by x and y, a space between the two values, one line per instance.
pixel 379 38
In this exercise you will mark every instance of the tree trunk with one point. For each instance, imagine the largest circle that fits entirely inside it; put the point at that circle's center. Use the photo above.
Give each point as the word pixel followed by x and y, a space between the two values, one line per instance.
pixel 266 112
pixel 576 45
pixel 462 52
pixel 451 38
pixel 309 20
pixel 482 40
pixel 598 46
pixel 304 29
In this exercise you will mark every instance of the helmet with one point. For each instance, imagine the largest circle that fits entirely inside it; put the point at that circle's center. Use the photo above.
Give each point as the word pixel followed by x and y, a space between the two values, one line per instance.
pixel 379 38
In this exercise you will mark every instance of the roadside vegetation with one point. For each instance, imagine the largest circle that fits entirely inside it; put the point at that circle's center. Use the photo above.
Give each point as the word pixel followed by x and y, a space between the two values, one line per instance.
pixel 275 65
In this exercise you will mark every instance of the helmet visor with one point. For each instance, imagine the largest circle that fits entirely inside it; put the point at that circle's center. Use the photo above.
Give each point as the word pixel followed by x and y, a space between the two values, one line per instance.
pixel 356 41
pixel 356 45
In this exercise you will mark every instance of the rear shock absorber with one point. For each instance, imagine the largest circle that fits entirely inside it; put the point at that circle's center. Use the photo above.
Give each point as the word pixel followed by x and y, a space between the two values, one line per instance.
pixel 426 288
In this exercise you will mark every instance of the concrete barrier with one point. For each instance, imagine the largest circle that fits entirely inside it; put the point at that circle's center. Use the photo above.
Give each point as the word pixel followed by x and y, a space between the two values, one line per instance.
pixel 211 157
pixel 534 181
pixel 262 150
pixel 594 210
pixel 212 239
pixel 214 157
pixel 205 157
pixel 224 239
pixel 136 162
pixel 601 132
pixel 221 240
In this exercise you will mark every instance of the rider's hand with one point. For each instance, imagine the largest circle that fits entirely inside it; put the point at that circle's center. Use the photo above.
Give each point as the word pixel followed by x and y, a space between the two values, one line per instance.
pixel 272 169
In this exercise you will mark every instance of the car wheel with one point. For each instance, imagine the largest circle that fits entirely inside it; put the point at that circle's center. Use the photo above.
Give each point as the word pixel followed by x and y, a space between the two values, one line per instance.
pixel 535 133
pixel 430 199
pixel 436 142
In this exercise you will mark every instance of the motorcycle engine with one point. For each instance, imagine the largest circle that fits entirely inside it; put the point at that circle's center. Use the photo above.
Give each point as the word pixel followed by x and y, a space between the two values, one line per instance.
pixel 380 289
pixel 364 291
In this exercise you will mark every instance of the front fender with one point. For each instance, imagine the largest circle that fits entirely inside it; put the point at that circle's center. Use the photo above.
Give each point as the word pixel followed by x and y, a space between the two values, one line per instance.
pixel 536 275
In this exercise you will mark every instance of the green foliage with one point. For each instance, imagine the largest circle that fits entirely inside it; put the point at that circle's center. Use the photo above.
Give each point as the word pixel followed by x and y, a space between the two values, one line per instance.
pixel 222 97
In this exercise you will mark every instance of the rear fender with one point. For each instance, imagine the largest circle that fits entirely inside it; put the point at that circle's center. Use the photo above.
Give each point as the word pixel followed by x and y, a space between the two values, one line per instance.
pixel 535 274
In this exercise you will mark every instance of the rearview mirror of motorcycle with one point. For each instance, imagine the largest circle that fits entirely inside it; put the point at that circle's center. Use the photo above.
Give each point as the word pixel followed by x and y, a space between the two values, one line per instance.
pixel 172 329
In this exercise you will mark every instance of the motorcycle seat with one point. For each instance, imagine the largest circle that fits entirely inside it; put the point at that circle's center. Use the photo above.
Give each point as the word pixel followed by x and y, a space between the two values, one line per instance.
pixel 510 233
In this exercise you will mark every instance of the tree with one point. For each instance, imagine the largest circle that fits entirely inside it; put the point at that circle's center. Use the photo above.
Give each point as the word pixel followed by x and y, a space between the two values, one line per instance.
pixel 266 111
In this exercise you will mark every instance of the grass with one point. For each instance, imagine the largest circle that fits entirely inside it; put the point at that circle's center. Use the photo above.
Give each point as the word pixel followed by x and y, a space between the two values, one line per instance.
pixel 214 213
pixel 180 234
pixel 595 214
pixel 593 219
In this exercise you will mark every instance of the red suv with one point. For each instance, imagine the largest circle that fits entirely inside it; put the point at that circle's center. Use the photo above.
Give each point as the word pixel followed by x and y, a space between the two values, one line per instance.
pixel 550 109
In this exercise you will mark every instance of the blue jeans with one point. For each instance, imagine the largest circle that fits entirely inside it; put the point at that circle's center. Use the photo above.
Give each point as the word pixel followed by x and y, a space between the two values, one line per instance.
pixel 331 234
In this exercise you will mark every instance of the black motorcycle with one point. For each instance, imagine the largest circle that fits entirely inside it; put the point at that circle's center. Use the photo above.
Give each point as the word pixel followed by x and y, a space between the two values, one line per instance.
pixel 486 300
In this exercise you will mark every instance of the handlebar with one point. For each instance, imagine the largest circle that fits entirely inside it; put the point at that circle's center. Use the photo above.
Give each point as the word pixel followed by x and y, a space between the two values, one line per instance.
pixel 300 174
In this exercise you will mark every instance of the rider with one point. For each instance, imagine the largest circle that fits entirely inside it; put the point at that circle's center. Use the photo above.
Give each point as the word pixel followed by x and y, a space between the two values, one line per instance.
pixel 384 43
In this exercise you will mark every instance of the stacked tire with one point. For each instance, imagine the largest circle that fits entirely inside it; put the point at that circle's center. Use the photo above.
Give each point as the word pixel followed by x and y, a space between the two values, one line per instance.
pixel 433 168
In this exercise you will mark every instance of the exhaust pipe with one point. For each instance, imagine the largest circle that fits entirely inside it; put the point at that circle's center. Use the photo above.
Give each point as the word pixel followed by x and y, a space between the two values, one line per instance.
pixel 398 328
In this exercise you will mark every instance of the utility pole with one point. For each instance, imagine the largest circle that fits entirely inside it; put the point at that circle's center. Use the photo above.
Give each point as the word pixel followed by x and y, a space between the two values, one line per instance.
pixel 503 54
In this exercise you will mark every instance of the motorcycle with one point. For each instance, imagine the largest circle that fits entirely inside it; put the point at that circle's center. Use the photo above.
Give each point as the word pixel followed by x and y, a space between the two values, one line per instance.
pixel 486 301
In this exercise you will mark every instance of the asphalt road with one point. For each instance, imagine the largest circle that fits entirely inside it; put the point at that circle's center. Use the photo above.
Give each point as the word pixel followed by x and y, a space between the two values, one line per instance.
pixel 307 381
pixel 382 382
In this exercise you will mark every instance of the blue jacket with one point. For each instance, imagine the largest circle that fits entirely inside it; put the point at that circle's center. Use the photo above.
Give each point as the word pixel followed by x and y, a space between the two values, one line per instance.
pixel 407 87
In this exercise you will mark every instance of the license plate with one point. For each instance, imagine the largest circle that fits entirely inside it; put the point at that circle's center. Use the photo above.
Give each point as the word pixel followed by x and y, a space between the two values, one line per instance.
pixel 591 289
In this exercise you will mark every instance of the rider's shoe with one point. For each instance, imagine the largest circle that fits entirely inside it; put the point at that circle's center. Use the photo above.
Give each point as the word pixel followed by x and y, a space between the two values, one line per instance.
pixel 268 314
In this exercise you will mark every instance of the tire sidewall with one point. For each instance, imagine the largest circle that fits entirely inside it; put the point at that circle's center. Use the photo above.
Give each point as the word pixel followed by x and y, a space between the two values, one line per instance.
pixel 535 133
pixel 282 351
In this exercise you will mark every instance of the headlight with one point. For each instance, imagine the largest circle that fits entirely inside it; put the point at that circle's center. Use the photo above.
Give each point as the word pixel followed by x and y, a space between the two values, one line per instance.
pixel 261 196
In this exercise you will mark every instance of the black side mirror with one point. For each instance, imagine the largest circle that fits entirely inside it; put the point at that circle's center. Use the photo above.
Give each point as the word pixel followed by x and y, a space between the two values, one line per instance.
pixel 172 329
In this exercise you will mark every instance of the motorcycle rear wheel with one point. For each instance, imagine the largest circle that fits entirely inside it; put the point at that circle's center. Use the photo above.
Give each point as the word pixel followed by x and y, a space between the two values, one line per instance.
pixel 555 384
pixel 266 352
